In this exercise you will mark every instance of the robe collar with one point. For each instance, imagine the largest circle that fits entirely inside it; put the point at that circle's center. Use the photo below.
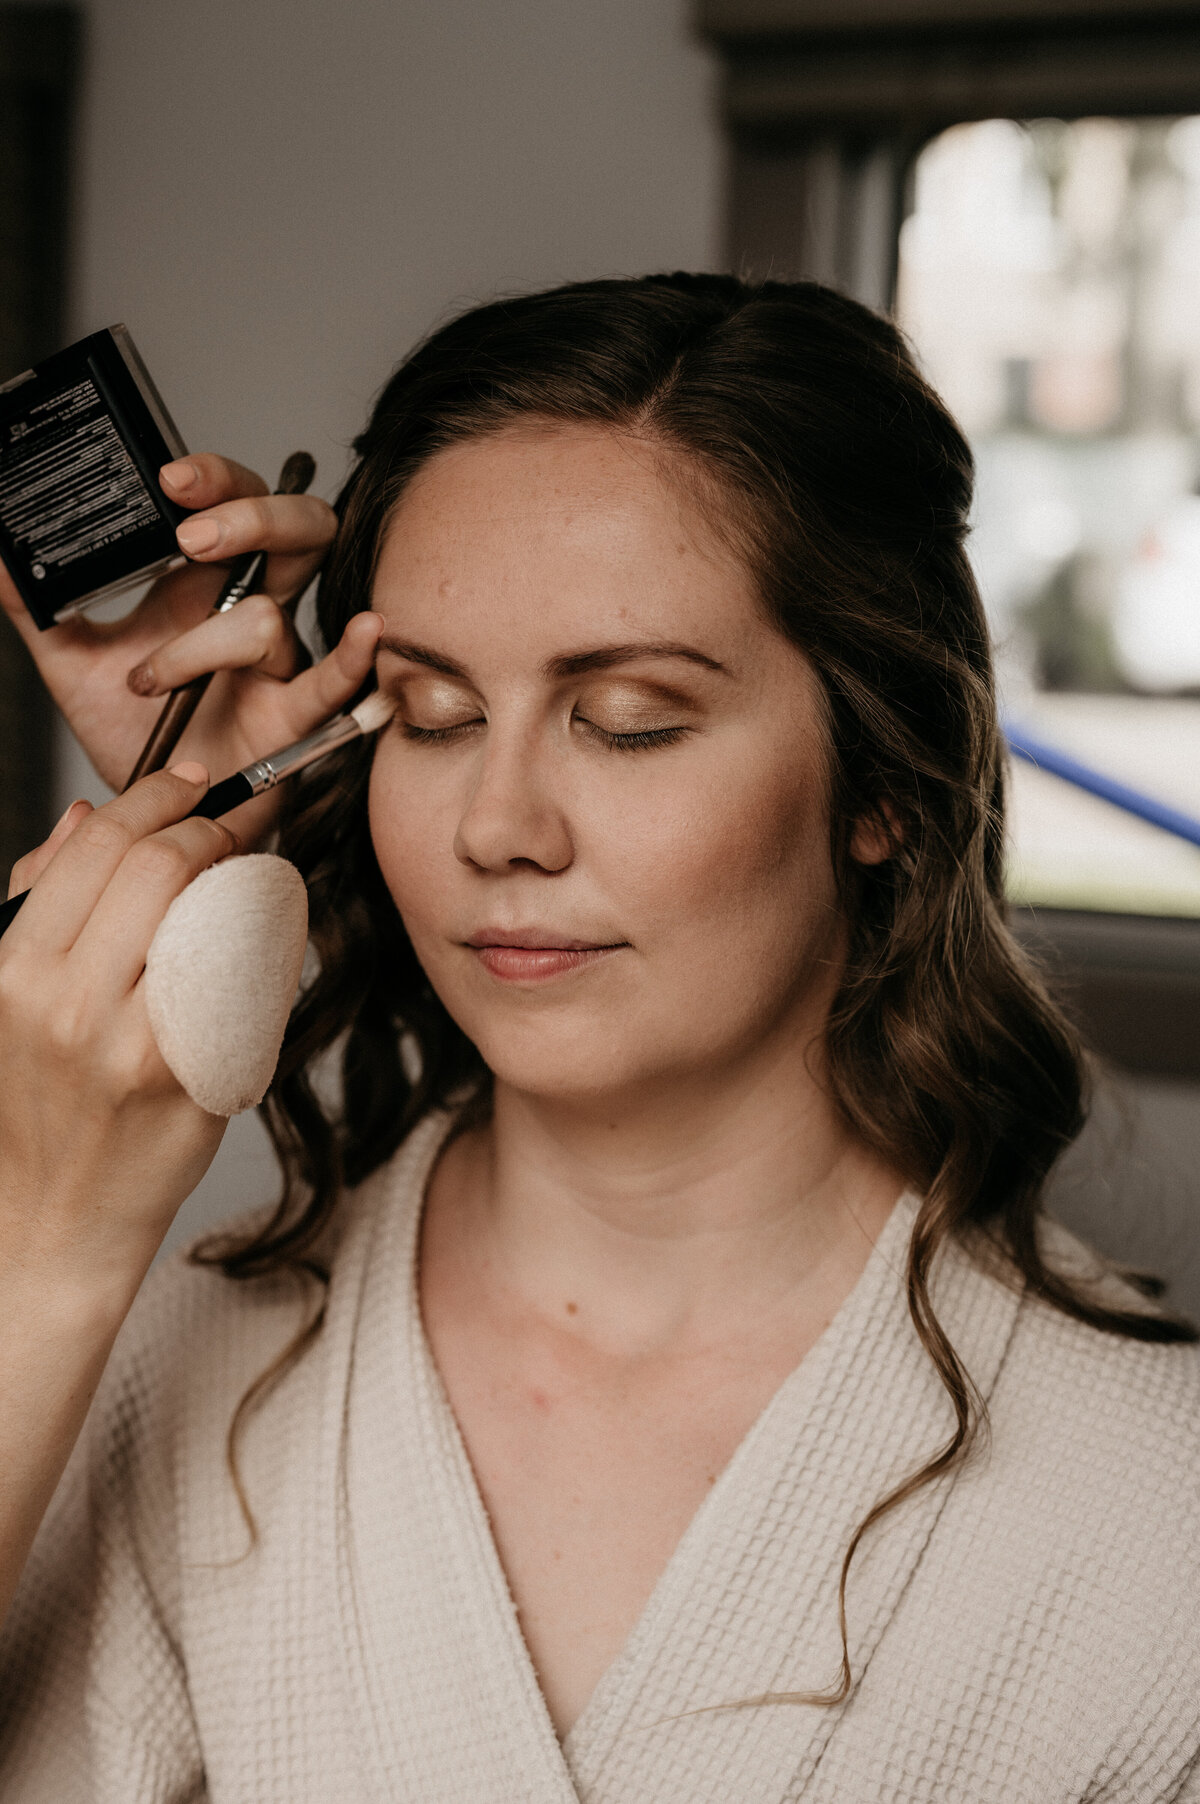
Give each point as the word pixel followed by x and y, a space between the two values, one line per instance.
pixel 448 1699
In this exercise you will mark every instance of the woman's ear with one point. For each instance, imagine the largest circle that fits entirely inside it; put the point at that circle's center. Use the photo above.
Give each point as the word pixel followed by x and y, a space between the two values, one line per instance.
pixel 876 836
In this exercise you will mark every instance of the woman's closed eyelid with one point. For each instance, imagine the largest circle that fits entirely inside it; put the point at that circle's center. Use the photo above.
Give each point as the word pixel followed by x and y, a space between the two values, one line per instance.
pixel 434 710
pixel 433 690
pixel 436 734
pixel 424 712
pixel 444 706
pixel 631 739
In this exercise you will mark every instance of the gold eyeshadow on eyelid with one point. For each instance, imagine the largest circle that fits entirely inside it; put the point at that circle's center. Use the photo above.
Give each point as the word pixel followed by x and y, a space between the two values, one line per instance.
pixel 614 728
pixel 627 707
pixel 619 726
pixel 437 686
pixel 616 705
pixel 423 693
pixel 621 683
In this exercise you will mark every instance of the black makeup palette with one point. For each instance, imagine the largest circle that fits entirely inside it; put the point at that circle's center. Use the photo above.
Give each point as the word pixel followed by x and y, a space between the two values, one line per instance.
pixel 83 436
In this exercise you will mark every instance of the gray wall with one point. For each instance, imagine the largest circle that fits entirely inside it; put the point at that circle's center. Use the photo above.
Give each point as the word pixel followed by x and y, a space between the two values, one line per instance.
pixel 281 195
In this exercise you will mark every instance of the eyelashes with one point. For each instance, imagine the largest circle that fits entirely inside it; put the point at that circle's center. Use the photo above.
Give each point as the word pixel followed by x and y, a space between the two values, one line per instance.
pixel 430 735
pixel 613 742
pixel 633 742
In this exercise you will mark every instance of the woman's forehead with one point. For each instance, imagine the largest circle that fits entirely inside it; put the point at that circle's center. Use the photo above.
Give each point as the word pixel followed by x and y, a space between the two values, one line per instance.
pixel 550 490
pixel 569 533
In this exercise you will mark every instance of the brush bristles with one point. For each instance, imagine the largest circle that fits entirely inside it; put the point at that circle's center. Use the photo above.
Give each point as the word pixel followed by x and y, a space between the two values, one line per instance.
pixel 374 712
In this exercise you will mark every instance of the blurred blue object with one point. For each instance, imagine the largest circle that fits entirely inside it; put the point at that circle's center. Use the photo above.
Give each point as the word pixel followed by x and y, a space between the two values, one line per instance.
pixel 1047 757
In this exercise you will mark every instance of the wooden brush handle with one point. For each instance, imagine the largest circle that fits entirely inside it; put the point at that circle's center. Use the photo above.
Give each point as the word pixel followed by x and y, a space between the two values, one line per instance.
pixel 169 727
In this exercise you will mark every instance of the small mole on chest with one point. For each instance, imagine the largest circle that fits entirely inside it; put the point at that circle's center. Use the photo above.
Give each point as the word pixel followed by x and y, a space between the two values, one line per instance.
pixel 572 1309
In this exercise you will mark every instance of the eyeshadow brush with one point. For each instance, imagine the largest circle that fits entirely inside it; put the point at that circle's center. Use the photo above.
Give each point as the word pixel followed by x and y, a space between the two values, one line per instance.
pixel 265 773
pixel 245 573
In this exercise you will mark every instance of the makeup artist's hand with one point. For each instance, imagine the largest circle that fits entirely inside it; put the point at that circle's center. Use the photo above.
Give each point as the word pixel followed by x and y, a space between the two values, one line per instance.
pixel 261 699
pixel 92 1122
pixel 99 1144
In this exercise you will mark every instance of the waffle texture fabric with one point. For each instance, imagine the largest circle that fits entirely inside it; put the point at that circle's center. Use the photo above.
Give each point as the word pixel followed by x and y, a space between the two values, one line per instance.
pixel 1028 1633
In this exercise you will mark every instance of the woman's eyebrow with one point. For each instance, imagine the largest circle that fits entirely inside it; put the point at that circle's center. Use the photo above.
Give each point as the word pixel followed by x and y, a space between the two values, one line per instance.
pixel 603 657
pixel 421 654
pixel 606 656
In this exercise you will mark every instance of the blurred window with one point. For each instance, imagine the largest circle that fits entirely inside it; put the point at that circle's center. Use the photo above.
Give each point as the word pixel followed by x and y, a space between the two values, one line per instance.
pixel 1049 277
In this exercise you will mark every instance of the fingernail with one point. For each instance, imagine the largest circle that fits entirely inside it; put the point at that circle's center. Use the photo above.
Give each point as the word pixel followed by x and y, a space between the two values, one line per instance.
pixel 198 535
pixel 65 815
pixel 142 680
pixel 181 476
pixel 190 771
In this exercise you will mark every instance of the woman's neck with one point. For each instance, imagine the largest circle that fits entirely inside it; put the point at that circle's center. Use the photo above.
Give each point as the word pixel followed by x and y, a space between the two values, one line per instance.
pixel 665 1218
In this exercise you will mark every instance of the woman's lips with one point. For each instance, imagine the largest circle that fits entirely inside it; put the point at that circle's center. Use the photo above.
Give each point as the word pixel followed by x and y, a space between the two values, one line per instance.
pixel 523 957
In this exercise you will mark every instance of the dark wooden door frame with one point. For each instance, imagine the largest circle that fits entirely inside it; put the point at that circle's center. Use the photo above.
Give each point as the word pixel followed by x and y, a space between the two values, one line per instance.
pixel 913 67
pixel 39 65
pixel 1130 982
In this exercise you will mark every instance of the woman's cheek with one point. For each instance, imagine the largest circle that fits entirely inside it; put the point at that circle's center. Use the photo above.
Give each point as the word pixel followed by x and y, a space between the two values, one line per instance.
pixel 752 878
pixel 744 826
pixel 404 821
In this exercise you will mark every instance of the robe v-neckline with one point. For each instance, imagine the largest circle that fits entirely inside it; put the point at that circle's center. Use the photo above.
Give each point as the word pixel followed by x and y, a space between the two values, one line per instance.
pixel 746 1604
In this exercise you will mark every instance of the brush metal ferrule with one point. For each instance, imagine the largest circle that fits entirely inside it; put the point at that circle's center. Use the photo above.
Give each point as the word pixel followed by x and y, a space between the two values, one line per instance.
pixel 267 772
pixel 242 578
pixel 260 776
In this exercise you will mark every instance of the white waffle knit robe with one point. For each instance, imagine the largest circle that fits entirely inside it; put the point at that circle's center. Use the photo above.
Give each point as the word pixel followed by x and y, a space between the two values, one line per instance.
pixel 1028 1634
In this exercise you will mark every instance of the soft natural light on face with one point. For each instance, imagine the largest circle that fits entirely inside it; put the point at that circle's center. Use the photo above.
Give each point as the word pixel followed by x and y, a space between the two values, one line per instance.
pixel 1050 281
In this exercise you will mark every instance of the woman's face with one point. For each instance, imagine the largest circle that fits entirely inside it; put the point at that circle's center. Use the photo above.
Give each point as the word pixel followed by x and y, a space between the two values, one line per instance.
pixel 602 807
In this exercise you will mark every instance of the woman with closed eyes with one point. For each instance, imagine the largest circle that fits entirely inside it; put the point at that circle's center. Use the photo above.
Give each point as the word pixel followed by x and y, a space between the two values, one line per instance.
pixel 658 1379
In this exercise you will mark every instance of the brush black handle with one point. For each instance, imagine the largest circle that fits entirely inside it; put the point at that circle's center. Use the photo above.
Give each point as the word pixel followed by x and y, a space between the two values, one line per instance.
pixel 10 909
pixel 230 793
pixel 224 796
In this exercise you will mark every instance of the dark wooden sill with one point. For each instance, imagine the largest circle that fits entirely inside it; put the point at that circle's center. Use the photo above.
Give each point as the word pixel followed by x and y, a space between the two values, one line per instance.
pixel 1131 983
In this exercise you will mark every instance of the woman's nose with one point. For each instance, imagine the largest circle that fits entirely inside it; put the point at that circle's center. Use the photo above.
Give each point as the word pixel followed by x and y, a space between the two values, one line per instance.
pixel 513 815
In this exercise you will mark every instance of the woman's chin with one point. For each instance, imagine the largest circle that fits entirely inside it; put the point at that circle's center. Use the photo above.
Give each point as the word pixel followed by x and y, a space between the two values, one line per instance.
pixel 579 1083
pixel 573 1070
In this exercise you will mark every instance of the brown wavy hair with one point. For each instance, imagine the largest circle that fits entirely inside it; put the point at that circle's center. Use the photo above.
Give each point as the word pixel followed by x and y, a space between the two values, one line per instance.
pixel 845 486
